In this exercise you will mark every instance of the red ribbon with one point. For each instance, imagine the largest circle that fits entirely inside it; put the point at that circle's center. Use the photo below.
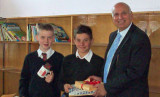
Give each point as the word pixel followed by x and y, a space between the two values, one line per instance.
pixel 82 86
pixel 92 82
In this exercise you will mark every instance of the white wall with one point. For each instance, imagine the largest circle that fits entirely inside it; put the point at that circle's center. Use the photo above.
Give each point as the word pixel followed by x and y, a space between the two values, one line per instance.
pixel 25 8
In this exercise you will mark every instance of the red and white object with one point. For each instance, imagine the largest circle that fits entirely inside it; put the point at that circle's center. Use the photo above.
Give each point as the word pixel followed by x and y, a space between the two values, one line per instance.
pixel 44 70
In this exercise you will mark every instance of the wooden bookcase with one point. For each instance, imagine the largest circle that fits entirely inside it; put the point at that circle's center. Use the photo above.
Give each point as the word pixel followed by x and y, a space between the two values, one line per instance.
pixel 12 54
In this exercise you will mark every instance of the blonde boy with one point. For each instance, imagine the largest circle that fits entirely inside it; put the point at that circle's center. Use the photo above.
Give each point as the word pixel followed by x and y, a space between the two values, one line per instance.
pixel 31 84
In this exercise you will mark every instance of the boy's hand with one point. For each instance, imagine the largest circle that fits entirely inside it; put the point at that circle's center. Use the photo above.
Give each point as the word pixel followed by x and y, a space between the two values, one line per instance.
pixel 67 87
pixel 49 77
pixel 95 78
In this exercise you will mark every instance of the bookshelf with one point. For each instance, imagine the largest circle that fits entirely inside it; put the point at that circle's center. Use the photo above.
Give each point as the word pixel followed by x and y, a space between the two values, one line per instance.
pixel 12 54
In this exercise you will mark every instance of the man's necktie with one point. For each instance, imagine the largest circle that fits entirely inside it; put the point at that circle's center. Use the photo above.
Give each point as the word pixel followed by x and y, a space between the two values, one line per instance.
pixel 44 56
pixel 110 55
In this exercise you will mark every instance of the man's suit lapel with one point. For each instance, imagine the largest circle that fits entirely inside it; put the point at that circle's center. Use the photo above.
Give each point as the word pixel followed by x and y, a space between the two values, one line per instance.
pixel 120 47
pixel 130 31
pixel 110 44
pixel 111 39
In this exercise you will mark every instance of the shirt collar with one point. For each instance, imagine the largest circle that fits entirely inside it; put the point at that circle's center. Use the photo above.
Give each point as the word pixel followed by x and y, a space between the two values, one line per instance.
pixel 49 53
pixel 88 56
pixel 124 32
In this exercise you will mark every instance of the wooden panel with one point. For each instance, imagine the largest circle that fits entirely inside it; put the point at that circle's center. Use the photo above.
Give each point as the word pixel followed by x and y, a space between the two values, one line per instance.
pixel 11 82
pixel 151 94
pixel 1 55
pixel 34 47
pixel 1 82
pixel 64 22
pixel 154 70
pixel 150 23
pixel 154 28
pixel 154 91
pixel 99 50
pixel 101 26
pixel 142 20
pixel 64 49
pixel 15 54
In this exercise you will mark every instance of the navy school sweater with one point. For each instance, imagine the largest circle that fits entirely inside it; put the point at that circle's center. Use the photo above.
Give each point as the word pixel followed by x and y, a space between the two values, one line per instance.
pixel 31 85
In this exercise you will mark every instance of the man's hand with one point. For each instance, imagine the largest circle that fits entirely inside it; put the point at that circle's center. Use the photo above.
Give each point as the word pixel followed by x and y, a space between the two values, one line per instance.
pixel 67 87
pixel 49 77
pixel 95 78
pixel 100 92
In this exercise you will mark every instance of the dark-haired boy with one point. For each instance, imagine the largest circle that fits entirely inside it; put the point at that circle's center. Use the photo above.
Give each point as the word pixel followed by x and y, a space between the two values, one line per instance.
pixel 82 64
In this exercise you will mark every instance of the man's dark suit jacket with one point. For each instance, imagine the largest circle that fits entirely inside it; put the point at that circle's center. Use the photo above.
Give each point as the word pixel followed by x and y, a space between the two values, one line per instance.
pixel 128 74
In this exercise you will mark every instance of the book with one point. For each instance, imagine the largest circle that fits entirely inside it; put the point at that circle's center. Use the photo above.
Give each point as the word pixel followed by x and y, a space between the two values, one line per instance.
pixel 79 92
pixel 60 34
pixel 1 34
pixel 12 32
pixel 32 32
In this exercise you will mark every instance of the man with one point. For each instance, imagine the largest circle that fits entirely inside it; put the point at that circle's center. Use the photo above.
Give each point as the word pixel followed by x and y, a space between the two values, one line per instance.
pixel 127 58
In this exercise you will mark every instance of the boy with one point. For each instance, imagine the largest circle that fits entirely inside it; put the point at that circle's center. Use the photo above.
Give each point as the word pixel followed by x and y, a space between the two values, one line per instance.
pixel 32 84
pixel 82 64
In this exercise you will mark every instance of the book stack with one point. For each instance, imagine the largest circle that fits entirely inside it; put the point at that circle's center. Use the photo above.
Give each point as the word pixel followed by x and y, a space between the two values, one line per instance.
pixel 11 32
pixel 60 34
pixel 31 32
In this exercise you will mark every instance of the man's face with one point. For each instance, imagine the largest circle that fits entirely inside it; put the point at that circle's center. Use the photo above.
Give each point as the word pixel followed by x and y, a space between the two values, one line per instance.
pixel 122 17
pixel 45 39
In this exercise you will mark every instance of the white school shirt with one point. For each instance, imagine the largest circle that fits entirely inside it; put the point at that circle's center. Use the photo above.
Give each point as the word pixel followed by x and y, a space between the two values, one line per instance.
pixel 88 56
pixel 49 53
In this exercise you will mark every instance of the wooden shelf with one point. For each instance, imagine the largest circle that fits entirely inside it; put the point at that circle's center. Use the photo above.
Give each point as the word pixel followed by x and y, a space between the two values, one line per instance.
pixel 13 70
pixel 12 53
pixel 154 89
pixel 156 46
pixel 100 44
pixel 14 42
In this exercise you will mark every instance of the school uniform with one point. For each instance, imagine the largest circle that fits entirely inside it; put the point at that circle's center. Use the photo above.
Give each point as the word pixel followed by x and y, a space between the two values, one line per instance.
pixel 31 85
pixel 75 68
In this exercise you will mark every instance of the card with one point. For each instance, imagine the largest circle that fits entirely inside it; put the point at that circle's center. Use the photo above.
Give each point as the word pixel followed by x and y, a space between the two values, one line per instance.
pixel 79 92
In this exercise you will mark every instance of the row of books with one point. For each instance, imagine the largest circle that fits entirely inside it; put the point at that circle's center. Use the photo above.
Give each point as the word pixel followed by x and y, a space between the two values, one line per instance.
pixel 60 34
pixel 12 32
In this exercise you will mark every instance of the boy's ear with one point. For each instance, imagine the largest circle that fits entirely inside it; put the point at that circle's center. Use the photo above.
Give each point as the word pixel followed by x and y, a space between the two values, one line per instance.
pixel 53 39
pixel 92 41
pixel 37 38
pixel 74 40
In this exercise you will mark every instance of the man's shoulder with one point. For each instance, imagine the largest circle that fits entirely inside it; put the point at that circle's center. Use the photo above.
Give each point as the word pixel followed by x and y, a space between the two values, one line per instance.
pixel 137 32
pixel 113 33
